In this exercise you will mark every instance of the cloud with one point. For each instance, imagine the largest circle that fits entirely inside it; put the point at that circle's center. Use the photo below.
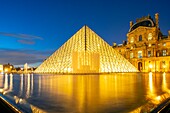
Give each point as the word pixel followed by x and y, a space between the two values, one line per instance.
pixel 23 38
pixel 20 57
pixel 26 42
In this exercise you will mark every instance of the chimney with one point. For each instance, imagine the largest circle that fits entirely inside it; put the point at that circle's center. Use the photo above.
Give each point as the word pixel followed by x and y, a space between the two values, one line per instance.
pixel 157 20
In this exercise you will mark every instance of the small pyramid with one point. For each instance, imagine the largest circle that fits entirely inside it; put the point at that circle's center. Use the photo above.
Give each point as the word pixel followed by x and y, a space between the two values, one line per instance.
pixel 85 52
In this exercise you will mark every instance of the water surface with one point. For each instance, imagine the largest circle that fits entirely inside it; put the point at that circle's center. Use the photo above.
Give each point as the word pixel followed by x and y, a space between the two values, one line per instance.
pixel 110 93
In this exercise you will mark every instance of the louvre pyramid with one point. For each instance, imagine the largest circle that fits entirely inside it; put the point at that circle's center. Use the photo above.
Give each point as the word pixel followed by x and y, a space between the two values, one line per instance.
pixel 85 52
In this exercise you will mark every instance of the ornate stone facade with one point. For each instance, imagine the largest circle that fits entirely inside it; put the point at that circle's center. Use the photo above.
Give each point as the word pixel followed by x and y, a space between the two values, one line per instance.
pixel 146 47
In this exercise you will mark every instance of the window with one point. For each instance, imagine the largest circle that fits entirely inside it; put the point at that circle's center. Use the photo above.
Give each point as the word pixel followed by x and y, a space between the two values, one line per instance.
pixel 164 44
pixel 150 36
pixel 163 64
pixel 164 52
pixel 149 45
pixel 149 53
pixel 131 55
pixel 160 65
pixel 157 53
pixel 131 39
pixel 139 54
pixel 140 38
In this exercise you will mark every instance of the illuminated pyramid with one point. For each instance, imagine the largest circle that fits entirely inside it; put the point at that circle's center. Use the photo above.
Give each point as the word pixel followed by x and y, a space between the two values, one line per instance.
pixel 85 52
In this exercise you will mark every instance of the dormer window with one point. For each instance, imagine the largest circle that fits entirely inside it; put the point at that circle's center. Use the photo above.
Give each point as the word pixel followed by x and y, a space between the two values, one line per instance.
pixel 140 38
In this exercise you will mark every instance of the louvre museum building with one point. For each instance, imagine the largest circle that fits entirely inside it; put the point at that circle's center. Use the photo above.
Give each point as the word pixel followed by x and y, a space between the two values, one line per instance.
pixel 146 47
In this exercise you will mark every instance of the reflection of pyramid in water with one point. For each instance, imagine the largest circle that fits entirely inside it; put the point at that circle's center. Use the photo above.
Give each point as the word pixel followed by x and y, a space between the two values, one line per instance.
pixel 85 52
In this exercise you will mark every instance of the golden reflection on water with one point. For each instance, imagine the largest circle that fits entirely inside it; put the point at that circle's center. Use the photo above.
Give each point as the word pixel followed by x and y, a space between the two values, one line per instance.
pixel 32 84
pixel 115 86
pixel 151 91
pixel 39 85
pixel 91 93
pixel 1 81
pixel 8 87
pixel 21 85
pixel 155 98
pixel 6 82
pixel 28 86
pixel 164 84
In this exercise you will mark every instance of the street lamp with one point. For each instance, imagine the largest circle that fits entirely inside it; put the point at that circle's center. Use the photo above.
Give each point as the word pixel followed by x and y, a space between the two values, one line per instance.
pixel 6 70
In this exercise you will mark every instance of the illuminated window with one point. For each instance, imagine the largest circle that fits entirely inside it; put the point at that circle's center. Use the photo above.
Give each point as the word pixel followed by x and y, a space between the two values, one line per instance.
pixel 140 38
pixel 139 54
pixel 164 52
pixel 164 44
pixel 150 36
pixel 131 55
pixel 149 53
pixel 149 45
pixel 131 39
pixel 162 64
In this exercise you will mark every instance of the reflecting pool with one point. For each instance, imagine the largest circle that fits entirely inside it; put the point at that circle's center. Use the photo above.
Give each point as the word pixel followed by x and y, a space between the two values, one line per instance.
pixel 105 93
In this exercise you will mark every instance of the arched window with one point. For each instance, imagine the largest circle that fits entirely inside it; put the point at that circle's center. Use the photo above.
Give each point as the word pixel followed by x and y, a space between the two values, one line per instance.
pixel 140 37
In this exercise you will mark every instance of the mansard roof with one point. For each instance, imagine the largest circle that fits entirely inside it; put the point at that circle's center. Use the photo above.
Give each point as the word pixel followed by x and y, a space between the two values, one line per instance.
pixel 145 23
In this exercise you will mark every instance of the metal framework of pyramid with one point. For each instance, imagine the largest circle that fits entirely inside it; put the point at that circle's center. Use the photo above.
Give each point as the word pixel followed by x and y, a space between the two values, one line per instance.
pixel 85 52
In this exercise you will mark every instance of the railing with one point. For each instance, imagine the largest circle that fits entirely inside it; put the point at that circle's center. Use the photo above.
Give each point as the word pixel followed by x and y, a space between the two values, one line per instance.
pixel 6 107
pixel 20 105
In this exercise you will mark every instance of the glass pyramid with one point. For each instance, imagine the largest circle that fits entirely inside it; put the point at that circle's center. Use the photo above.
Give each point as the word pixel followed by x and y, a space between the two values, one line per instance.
pixel 85 52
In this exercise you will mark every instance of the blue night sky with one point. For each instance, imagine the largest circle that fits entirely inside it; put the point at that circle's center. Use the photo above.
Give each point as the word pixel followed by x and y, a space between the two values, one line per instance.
pixel 31 30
